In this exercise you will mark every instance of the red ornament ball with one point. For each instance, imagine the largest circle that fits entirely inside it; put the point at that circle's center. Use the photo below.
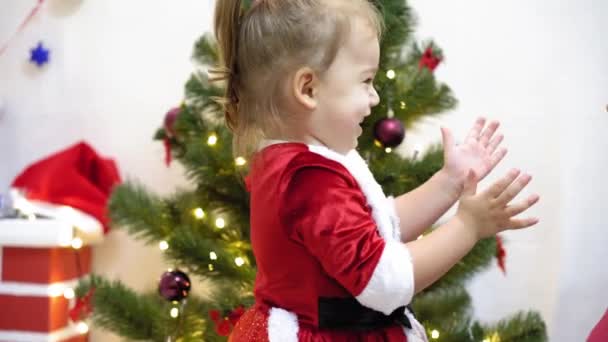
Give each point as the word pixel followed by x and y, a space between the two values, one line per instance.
pixel 389 131
pixel 170 118
pixel 174 285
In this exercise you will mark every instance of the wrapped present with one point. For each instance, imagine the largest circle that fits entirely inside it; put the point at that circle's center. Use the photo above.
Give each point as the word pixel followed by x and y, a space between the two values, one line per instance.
pixel 58 208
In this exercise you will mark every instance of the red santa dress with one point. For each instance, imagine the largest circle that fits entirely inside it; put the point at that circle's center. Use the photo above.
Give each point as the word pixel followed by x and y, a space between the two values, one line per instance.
pixel 326 240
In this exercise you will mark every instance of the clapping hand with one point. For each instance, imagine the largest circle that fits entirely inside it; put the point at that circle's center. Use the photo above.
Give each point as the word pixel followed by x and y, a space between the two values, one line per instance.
pixel 479 152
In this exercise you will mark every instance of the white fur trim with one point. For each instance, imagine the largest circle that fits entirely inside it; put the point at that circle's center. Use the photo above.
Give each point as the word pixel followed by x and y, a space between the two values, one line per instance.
pixel 417 333
pixel 392 283
pixel 282 326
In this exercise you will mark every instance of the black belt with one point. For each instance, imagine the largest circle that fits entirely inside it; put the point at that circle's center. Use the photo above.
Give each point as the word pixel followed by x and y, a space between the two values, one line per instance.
pixel 349 314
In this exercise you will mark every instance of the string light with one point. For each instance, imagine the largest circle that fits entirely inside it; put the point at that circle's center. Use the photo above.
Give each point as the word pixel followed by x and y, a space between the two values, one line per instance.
pixel 390 74
pixel 199 213
pixel 210 267
pixel 174 312
pixel 163 245
pixel 220 223
pixel 76 243
pixel 493 338
pixel 239 261
pixel 212 140
pixel 240 161
pixel 68 293
pixel 388 150
pixel 213 256
pixel 434 334
pixel 402 104
pixel 377 143
pixel 82 327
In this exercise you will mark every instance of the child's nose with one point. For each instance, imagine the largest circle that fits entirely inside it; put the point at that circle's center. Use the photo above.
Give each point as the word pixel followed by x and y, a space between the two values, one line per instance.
pixel 375 98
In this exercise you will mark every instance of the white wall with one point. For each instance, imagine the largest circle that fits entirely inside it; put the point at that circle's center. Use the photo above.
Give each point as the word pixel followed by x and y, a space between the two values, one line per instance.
pixel 540 68
pixel 117 66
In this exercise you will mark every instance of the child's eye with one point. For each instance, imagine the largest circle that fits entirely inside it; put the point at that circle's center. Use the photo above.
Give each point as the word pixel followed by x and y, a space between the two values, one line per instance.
pixel 369 80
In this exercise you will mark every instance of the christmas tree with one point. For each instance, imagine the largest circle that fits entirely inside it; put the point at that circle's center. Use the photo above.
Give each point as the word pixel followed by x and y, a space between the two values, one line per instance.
pixel 204 232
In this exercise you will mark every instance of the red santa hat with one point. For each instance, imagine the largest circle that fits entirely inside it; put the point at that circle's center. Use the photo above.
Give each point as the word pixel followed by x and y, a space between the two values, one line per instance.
pixel 600 331
pixel 72 185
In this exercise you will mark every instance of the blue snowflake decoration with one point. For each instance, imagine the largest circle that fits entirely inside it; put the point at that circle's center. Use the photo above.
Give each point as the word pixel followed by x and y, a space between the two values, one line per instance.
pixel 39 55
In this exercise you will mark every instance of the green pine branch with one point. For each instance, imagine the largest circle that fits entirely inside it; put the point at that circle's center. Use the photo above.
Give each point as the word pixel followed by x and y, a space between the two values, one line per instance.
pixel 433 306
pixel 478 259
pixel 521 327
pixel 189 247
pixel 144 215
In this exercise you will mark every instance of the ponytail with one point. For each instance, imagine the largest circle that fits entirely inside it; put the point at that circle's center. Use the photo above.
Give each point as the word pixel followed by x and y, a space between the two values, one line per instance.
pixel 228 14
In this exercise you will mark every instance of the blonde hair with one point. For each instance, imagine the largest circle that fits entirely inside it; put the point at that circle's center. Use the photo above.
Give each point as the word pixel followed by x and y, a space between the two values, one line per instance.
pixel 259 46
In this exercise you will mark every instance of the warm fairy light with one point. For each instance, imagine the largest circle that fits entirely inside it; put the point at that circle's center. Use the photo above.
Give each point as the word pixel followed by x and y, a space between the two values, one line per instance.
pixel 77 243
pixel 388 150
pixel 213 256
pixel 163 245
pixel 435 334
pixel 390 74
pixel 494 338
pixel 68 293
pixel 212 140
pixel 240 161
pixel 377 143
pixel 210 267
pixel 239 261
pixel 199 213
pixel 220 223
pixel 82 327
pixel 402 104
pixel 174 312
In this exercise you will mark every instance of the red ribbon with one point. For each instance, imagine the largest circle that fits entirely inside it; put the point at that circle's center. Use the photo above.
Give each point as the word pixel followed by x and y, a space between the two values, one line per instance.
pixel 167 144
pixel 501 253
pixel 224 325
pixel 83 307
pixel 23 25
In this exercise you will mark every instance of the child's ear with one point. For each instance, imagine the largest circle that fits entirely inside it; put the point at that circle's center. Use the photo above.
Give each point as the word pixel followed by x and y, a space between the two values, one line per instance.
pixel 305 87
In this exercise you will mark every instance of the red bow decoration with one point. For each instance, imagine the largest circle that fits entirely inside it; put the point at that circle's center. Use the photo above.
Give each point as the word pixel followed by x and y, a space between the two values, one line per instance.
pixel 167 144
pixel 500 254
pixel 83 307
pixel 224 325
pixel 429 60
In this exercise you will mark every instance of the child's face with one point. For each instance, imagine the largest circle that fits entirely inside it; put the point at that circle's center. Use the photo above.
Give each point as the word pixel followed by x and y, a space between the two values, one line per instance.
pixel 346 94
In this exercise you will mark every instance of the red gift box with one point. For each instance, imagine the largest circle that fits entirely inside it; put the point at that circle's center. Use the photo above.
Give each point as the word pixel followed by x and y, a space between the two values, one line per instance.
pixel 32 285
pixel 70 189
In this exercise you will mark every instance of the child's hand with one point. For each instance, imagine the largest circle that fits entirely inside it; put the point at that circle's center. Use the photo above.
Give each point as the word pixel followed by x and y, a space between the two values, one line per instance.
pixel 477 152
pixel 490 211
